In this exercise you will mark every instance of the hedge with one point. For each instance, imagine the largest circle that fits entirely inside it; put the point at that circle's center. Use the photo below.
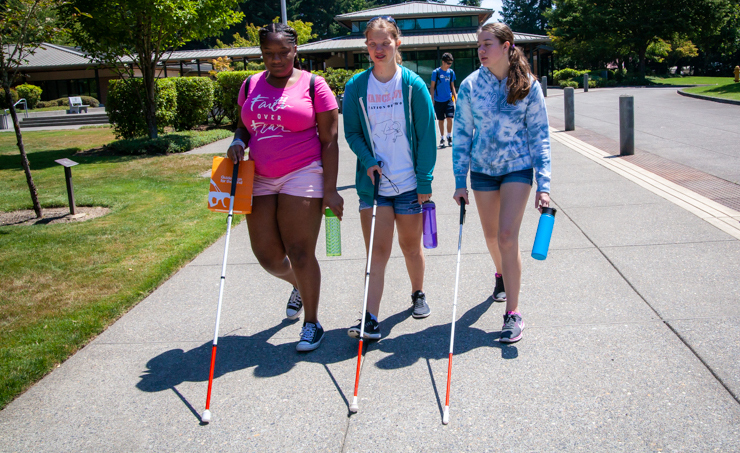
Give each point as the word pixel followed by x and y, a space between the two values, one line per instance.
pixel 194 101
pixel 337 78
pixel 568 83
pixel 226 93
pixel 87 100
pixel 13 96
pixel 125 106
pixel 567 74
pixel 179 142
pixel 31 93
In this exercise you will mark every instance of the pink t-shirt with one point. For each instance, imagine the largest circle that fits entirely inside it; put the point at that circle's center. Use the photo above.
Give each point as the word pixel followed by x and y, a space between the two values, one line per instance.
pixel 282 123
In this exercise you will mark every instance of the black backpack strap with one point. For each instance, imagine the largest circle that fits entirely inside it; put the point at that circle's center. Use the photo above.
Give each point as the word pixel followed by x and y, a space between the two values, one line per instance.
pixel 312 88
pixel 436 84
pixel 246 87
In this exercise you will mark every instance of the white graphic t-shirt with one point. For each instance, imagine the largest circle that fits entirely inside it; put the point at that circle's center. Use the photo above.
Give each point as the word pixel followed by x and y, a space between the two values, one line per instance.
pixel 388 130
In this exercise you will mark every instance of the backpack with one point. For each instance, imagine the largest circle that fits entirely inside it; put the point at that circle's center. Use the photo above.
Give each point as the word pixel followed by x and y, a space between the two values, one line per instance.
pixel 436 82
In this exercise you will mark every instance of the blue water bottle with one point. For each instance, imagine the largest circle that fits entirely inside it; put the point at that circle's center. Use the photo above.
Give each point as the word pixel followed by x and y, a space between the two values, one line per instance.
pixel 544 233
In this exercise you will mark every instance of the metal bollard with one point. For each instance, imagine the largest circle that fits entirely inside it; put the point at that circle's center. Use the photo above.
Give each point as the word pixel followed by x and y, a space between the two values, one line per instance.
pixel 544 85
pixel 585 83
pixel 570 109
pixel 626 125
pixel 737 73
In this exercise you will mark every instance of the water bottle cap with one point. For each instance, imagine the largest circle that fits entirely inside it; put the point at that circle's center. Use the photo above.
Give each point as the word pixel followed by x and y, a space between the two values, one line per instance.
pixel 550 211
pixel 329 213
pixel 428 205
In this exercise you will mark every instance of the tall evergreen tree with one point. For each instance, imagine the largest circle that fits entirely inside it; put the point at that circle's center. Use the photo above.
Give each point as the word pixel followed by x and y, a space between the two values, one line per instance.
pixel 526 16
pixel 469 2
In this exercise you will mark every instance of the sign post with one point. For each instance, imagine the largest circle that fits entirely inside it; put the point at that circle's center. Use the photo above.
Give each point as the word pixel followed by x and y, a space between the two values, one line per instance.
pixel 68 164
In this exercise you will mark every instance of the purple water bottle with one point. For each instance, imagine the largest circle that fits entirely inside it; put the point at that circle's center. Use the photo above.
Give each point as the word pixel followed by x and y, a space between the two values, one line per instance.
pixel 429 211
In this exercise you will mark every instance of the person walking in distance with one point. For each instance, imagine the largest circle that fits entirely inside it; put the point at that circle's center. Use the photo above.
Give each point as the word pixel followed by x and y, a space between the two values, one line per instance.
pixel 502 137
pixel 443 91
pixel 289 121
pixel 389 124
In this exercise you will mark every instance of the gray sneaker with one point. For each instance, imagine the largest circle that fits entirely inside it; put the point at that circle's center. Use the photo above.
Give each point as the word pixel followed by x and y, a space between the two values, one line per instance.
pixel 421 308
pixel 511 332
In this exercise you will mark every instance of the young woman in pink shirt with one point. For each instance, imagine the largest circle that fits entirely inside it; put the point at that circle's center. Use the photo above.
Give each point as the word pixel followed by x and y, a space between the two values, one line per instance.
pixel 292 140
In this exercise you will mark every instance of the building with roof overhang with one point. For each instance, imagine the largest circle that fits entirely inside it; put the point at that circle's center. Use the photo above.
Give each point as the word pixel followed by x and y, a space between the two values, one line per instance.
pixel 428 30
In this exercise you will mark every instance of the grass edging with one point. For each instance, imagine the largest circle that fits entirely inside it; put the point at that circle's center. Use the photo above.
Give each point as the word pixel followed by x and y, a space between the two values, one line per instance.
pixel 708 98
pixel 177 142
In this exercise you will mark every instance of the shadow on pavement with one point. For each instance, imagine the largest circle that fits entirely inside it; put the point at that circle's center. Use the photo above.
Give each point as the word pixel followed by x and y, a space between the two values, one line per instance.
pixel 235 352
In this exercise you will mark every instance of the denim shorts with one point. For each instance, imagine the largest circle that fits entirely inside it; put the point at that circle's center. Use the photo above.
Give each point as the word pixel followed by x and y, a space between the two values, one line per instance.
pixel 405 203
pixel 486 183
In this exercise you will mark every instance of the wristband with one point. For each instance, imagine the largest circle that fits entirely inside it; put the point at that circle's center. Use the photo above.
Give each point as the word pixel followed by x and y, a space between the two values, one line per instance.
pixel 238 142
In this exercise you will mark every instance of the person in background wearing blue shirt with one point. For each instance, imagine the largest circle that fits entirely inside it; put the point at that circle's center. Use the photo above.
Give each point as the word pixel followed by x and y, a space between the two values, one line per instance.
pixel 502 137
pixel 444 94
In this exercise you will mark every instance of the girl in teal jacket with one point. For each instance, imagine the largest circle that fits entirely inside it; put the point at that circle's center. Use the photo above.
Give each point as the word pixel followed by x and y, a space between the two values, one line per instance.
pixel 389 123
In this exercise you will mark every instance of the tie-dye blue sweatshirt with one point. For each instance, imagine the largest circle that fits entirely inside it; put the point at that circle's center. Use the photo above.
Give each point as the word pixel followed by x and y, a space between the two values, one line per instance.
pixel 494 137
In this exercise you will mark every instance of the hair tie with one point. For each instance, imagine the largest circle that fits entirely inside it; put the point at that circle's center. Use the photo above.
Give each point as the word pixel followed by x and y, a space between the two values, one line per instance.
pixel 513 46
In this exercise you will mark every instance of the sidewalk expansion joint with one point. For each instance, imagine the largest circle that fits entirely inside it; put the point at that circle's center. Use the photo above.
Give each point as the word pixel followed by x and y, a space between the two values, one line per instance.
pixel 564 212
pixel 714 213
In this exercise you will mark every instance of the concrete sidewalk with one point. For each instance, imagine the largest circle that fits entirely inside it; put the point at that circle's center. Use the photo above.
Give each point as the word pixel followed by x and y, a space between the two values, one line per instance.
pixel 632 343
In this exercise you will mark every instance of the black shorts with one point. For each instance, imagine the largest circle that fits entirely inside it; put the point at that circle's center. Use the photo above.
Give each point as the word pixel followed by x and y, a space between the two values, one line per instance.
pixel 444 109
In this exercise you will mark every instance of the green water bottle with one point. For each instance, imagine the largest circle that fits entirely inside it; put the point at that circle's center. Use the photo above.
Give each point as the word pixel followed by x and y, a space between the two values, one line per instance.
pixel 333 234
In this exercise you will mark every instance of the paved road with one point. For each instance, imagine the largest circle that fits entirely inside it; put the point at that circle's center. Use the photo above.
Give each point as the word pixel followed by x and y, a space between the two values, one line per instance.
pixel 631 344
pixel 700 134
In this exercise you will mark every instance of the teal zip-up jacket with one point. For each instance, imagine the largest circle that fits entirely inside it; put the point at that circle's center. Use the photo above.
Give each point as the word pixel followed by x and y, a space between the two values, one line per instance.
pixel 420 130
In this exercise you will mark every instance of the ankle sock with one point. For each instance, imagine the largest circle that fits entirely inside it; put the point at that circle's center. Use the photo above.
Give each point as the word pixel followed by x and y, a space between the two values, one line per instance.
pixel 373 317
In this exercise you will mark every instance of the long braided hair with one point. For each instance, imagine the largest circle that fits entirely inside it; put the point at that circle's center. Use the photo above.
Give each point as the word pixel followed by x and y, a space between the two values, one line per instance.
pixel 287 31
pixel 518 84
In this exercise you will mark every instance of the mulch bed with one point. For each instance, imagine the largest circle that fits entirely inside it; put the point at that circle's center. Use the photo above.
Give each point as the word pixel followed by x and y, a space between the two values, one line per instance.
pixel 51 216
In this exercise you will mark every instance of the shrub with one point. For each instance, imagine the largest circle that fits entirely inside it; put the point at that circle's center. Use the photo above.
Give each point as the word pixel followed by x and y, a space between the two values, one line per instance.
pixel 87 100
pixel 567 74
pixel 125 107
pixel 194 101
pixel 568 83
pixel 13 97
pixel 31 93
pixel 337 78
pixel 226 94
pixel 179 142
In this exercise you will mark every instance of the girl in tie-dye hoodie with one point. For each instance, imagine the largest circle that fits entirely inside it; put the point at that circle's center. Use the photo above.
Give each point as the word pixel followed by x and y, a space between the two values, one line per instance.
pixel 501 135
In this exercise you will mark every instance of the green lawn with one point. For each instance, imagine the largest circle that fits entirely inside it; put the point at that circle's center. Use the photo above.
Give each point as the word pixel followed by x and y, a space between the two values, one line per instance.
pixel 727 91
pixel 62 284
pixel 691 80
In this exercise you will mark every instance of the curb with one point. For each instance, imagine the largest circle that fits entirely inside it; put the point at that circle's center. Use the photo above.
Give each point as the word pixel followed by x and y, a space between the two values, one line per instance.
pixel 708 98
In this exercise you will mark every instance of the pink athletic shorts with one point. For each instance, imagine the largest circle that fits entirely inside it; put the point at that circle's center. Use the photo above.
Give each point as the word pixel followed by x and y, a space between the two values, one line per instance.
pixel 307 182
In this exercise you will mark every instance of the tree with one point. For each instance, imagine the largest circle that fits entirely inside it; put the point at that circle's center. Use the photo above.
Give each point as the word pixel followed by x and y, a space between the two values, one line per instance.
pixel 619 27
pixel 253 37
pixel 526 16
pixel 121 33
pixel 469 2
pixel 23 29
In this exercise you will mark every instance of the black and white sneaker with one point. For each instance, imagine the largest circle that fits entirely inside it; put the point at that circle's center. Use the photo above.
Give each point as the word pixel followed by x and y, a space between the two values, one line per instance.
pixel 295 305
pixel 449 140
pixel 421 308
pixel 372 329
pixel 311 336
pixel 442 142
pixel 499 293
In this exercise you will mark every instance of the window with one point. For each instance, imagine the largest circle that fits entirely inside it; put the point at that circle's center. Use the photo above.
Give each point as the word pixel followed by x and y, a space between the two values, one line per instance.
pixel 425 24
pixel 355 27
pixel 462 22
pixel 442 22
pixel 406 24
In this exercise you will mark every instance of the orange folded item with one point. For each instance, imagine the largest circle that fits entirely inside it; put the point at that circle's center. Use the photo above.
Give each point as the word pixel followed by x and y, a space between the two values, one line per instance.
pixel 220 191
